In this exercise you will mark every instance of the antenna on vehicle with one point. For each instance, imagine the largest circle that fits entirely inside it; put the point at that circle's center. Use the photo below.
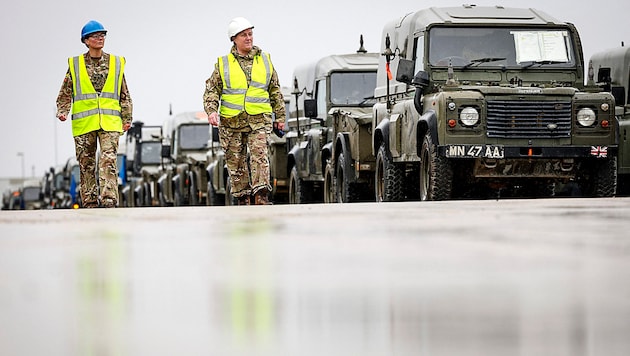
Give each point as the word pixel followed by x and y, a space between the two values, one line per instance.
pixel 361 48
pixel 389 55
pixel 296 92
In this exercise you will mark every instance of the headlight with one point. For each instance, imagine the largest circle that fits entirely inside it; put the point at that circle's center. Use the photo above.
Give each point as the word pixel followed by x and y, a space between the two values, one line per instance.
pixel 586 117
pixel 469 116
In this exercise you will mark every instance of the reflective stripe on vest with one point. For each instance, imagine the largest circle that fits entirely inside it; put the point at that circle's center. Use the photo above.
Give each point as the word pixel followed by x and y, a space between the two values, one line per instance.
pixel 237 95
pixel 92 111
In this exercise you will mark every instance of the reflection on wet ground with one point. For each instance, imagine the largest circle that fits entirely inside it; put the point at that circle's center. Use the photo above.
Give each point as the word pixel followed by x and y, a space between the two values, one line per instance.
pixel 542 277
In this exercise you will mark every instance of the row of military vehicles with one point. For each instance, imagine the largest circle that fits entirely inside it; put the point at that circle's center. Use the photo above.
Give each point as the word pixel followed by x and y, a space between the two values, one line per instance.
pixel 57 189
pixel 460 102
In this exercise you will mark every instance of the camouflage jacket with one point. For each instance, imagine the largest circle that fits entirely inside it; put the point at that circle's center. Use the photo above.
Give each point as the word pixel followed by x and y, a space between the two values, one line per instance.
pixel 97 70
pixel 214 89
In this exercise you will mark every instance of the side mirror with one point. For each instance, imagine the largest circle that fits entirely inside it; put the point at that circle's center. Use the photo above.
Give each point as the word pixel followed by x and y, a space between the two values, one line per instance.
pixel 310 108
pixel 166 151
pixel 404 74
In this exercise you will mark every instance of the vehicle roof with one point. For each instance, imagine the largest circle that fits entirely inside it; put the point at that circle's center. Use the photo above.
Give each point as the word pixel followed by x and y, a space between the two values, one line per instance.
pixel 399 29
pixel 469 14
pixel 307 74
pixel 189 117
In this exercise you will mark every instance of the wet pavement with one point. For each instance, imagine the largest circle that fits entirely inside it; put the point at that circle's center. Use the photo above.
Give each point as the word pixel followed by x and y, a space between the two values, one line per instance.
pixel 509 277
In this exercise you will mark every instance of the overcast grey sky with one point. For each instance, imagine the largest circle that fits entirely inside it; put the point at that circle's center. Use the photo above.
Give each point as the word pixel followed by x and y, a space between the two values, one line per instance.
pixel 171 47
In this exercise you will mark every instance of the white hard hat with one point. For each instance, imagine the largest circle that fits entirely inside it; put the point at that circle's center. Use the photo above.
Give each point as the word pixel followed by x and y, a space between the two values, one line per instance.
pixel 237 25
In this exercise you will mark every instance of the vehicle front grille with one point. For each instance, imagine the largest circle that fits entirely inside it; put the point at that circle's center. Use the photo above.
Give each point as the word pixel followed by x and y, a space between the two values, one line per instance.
pixel 528 119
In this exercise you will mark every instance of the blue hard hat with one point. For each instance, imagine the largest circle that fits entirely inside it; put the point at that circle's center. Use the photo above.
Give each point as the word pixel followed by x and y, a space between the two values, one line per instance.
pixel 91 27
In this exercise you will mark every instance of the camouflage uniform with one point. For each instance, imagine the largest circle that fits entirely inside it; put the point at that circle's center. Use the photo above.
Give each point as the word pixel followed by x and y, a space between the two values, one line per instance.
pixel 244 131
pixel 86 145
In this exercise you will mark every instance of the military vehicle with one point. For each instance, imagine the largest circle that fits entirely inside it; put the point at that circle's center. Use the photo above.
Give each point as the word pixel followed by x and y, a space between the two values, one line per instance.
pixel 60 186
pixel 183 180
pixel 278 157
pixel 65 186
pixel 141 164
pixel 333 83
pixel 67 180
pixel 216 170
pixel 11 199
pixel 488 100
pixel 48 182
pixel 31 194
pixel 612 70
pixel 55 191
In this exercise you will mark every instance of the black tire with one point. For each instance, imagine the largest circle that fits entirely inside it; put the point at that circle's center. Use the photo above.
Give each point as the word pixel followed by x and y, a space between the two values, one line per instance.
pixel 346 191
pixel 229 198
pixel 330 186
pixel 162 199
pixel 598 177
pixel 178 200
pixel 214 199
pixel 148 200
pixel 298 193
pixel 623 185
pixel 193 192
pixel 436 172
pixel 388 178
pixel 605 184
pixel 137 198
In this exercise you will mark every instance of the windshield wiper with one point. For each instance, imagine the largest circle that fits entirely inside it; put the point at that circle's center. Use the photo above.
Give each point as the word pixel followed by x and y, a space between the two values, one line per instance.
pixel 478 61
pixel 366 99
pixel 541 63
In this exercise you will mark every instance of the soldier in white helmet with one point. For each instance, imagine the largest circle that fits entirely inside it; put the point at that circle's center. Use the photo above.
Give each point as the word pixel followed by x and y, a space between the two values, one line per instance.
pixel 241 97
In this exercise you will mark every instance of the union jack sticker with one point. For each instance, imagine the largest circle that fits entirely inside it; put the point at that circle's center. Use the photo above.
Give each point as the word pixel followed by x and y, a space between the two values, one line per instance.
pixel 599 151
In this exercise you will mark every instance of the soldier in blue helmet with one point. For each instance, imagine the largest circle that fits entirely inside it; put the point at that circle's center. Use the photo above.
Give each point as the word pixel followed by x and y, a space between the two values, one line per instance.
pixel 95 89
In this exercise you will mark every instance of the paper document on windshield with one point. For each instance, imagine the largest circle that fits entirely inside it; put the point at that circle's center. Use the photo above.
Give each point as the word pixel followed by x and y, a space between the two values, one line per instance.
pixel 537 46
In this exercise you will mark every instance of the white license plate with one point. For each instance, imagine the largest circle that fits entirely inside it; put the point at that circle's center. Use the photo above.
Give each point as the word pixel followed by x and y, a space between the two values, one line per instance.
pixel 474 151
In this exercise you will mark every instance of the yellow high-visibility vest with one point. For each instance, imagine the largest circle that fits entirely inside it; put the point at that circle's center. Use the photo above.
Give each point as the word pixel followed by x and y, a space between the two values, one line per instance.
pixel 237 95
pixel 92 111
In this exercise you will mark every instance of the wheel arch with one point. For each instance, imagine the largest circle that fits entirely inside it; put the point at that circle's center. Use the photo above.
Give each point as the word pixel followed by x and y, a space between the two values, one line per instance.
pixel 426 123
pixel 342 145
pixel 380 136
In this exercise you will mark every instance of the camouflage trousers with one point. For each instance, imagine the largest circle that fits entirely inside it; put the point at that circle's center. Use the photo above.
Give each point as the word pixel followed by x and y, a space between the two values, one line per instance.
pixel 248 169
pixel 107 188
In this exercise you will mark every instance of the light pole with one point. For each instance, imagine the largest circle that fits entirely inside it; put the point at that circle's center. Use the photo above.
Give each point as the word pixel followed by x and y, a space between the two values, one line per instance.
pixel 21 155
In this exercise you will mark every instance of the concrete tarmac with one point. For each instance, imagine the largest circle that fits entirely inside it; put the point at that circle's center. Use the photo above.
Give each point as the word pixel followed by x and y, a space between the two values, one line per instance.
pixel 508 277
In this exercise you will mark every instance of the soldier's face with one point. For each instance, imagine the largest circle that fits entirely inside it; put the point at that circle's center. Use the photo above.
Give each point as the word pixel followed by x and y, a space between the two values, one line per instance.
pixel 96 40
pixel 244 41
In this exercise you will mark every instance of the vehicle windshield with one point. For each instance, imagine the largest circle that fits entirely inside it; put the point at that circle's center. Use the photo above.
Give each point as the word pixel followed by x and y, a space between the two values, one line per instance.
pixel 151 152
pixel 31 193
pixel 472 47
pixel 59 181
pixel 352 88
pixel 76 174
pixel 193 137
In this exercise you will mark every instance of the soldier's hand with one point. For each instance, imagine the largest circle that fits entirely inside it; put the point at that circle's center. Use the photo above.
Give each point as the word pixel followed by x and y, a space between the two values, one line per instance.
pixel 279 125
pixel 126 127
pixel 62 117
pixel 213 119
